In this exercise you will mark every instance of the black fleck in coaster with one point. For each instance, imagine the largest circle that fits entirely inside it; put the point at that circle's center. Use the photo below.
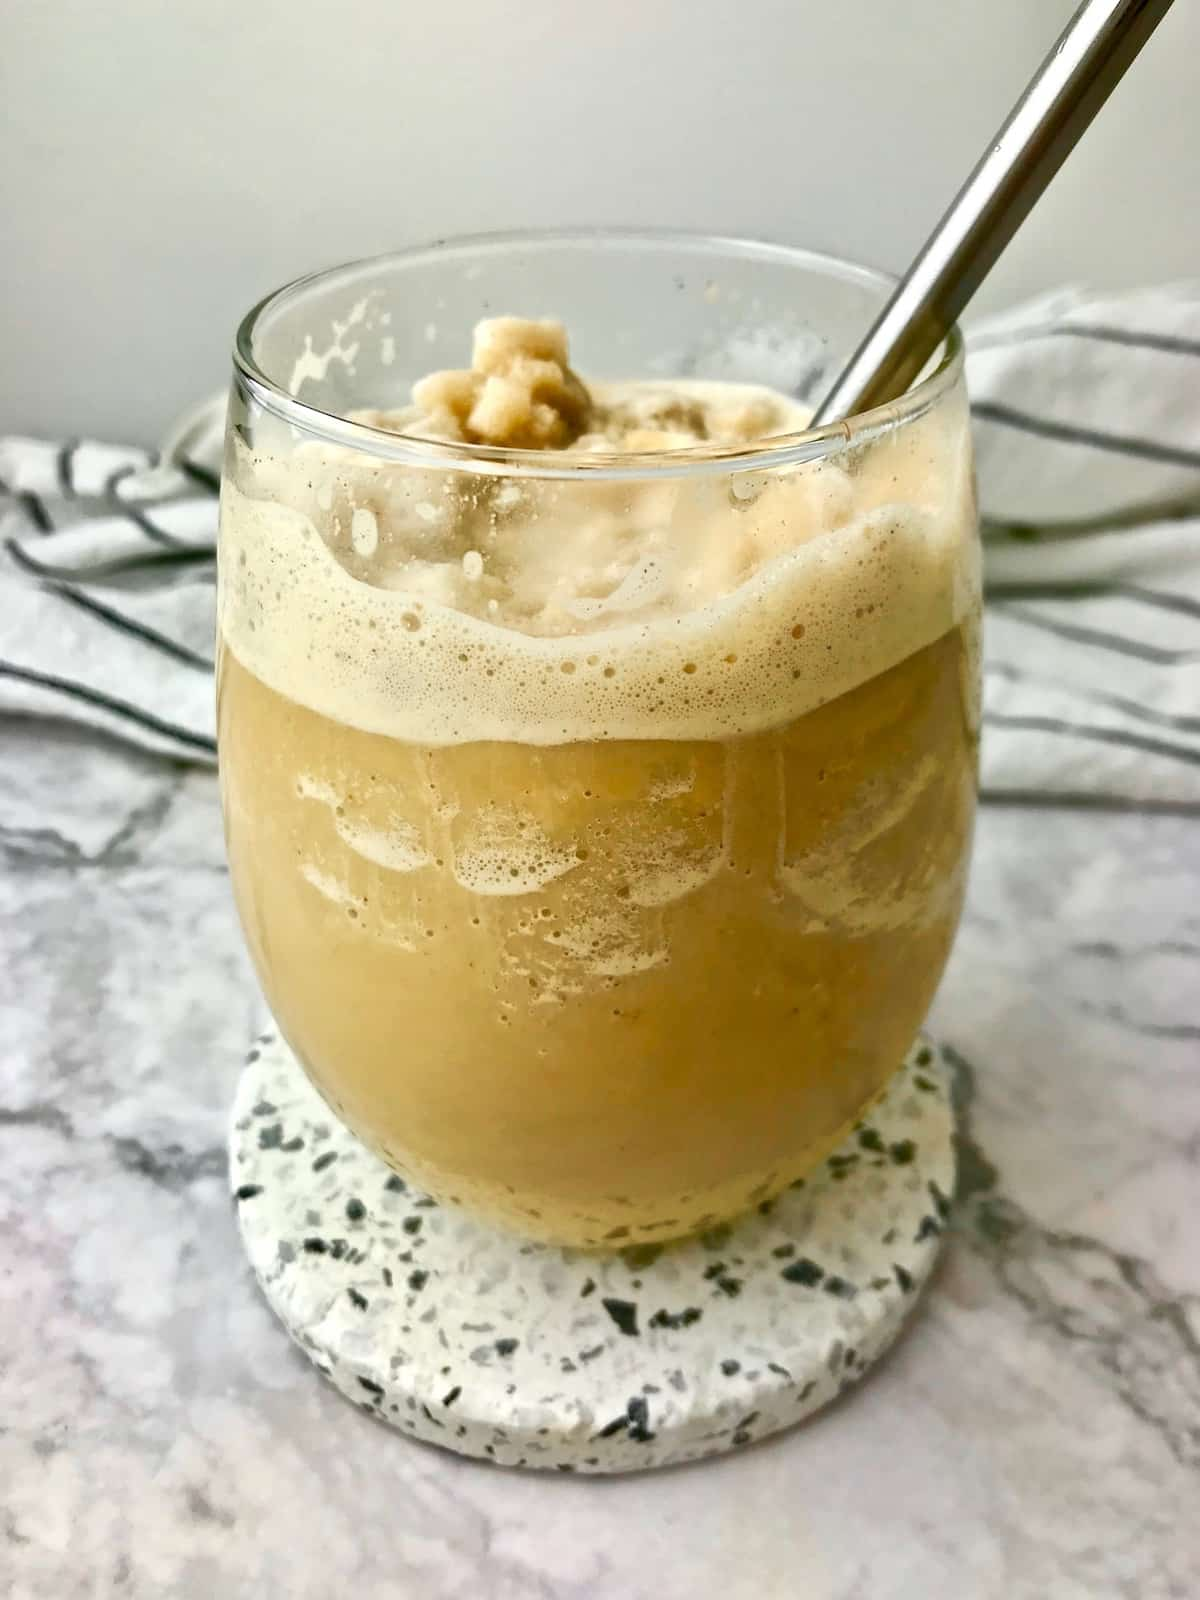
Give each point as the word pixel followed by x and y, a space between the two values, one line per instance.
pixel 532 1356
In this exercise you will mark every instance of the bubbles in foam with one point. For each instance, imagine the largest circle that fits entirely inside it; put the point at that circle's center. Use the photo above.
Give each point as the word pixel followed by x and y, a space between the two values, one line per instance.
pixel 326 884
pixel 837 883
pixel 505 853
pixel 310 788
pixel 625 963
pixel 671 788
pixel 614 945
pixel 645 584
pixel 595 610
pixel 397 846
pixel 672 881
pixel 364 532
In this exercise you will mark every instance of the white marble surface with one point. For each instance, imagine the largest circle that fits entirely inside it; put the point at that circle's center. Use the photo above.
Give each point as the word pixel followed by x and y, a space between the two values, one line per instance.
pixel 1035 1433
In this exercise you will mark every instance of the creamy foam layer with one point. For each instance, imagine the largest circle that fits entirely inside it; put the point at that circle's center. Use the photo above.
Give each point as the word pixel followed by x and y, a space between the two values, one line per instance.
pixel 439 608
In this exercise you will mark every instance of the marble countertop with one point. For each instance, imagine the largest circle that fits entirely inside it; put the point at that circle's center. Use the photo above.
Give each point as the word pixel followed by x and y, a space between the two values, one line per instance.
pixel 1036 1432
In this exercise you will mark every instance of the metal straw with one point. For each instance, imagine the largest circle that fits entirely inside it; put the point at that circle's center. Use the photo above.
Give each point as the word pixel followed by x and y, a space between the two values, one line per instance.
pixel 1074 81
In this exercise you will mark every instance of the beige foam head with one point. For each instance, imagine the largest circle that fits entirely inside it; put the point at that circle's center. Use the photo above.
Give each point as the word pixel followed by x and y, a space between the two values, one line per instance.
pixel 439 607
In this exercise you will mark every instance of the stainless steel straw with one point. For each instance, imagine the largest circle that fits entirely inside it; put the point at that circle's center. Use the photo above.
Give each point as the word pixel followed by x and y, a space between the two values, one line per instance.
pixel 1074 81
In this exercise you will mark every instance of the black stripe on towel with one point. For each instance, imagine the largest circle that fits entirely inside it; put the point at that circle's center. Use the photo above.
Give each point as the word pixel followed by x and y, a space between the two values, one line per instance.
pixel 35 510
pixel 1073 800
pixel 1069 433
pixel 202 476
pixel 109 703
pixel 186 556
pixel 1096 697
pixel 1168 343
pixel 131 510
pixel 132 627
pixel 65 467
pixel 1075 730
pixel 125 470
pixel 1163 599
pixel 160 535
pixel 1104 641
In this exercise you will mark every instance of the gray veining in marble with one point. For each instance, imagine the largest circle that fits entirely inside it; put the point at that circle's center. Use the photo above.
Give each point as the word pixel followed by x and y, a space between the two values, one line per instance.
pixel 1035 1433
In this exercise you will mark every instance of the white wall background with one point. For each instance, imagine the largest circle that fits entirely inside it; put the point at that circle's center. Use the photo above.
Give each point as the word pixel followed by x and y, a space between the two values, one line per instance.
pixel 165 162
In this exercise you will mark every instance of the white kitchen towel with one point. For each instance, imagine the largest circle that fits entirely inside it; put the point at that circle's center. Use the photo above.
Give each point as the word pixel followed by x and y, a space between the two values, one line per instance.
pixel 1087 412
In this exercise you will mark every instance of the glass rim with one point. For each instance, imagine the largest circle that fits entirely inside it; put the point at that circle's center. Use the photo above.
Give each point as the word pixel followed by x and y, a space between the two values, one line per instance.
pixel 779 450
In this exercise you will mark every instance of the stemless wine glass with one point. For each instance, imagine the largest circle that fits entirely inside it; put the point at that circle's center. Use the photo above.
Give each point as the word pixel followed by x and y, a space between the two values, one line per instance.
pixel 611 928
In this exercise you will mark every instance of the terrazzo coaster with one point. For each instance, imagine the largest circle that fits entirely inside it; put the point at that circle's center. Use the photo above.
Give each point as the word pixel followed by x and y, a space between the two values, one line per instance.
pixel 533 1356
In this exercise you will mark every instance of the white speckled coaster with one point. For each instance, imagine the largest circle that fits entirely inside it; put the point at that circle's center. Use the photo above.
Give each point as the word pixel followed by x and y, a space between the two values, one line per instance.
pixel 533 1356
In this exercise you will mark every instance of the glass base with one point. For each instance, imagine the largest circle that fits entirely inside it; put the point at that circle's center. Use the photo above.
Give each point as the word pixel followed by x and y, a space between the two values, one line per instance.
pixel 533 1356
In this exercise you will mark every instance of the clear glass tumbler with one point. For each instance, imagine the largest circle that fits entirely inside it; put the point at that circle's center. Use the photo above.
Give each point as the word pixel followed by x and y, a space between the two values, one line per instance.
pixel 611 929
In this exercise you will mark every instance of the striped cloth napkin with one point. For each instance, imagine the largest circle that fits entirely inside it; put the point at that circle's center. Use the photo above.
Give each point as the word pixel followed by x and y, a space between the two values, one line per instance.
pixel 1087 414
